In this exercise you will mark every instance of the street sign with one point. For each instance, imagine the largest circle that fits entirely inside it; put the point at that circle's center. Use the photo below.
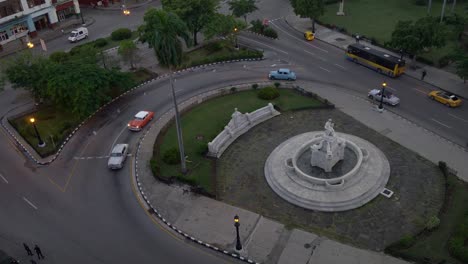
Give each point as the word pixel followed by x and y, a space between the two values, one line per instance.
pixel 43 45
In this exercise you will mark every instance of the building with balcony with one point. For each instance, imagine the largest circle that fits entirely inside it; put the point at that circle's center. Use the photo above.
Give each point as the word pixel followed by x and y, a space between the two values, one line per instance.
pixel 19 18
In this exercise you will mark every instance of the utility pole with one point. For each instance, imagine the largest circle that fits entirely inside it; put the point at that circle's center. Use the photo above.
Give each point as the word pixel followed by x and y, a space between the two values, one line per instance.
pixel 179 130
pixel 429 6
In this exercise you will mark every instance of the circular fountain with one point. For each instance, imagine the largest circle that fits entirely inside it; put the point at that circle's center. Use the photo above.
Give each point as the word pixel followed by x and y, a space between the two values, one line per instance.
pixel 327 171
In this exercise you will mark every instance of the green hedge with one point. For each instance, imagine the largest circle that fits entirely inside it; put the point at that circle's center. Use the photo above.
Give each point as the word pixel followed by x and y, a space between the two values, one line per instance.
pixel 457 246
pixel 121 34
pixel 241 54
pixel 268 93
pixel 171 156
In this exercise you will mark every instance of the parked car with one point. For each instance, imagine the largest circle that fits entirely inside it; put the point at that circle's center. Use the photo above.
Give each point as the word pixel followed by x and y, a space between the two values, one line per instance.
pixel 117 156
pixel 141 119
pixel 388 97
pixel 282 74
pixel 78 34
pixel 445 98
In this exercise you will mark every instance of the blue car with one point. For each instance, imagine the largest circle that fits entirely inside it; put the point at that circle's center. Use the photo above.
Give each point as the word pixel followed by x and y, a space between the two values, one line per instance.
pixel 282 74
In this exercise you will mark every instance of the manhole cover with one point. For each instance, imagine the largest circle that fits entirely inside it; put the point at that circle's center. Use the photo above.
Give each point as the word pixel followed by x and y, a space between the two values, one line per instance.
pixel 340 39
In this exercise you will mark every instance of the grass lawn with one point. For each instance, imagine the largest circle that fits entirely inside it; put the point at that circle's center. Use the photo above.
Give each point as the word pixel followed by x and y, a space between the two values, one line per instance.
pixel 433 245
pixel 55 125
pixel 221 50
pixel 377 19
pixel 201 124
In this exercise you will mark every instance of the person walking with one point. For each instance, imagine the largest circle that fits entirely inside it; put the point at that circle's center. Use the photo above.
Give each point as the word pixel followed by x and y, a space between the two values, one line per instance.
pixel 38 252
pixel 424 73
pixel 28 250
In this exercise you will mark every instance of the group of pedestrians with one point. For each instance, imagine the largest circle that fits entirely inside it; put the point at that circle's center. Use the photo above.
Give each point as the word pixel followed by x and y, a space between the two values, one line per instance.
pixel 37 249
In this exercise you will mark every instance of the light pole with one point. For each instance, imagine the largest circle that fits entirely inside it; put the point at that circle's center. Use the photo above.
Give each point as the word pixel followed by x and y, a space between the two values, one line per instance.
pixel 41 143
pixel 178 127
pixel 235 32
pixel 237 224
pixel 381 96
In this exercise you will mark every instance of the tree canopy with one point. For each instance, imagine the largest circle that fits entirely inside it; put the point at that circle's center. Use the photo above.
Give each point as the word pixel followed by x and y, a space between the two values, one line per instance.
pixel 222 25
pixel 128 51
pixel 312 9
pixel 413 37
pixel 240 8
pixel 195 13
pixel 462 65
pixel 163 30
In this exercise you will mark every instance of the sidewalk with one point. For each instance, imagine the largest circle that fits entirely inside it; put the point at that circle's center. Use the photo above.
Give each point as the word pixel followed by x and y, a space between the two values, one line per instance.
pixel 439 78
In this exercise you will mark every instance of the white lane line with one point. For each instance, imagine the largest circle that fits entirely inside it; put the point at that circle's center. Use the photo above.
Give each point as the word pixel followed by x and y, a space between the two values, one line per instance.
pixel 337 65
pixel 178 91
pixel 393 89
pixel 5 180
pixel 313 54
pixel 419 91
pixel 440 123
pixel 265 45
pixel 457 117
pixel 115 140
pixel 31 204
pixel 324 69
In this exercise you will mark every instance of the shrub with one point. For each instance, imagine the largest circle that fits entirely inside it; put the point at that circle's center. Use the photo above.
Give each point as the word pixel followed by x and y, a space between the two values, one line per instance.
pixel 444 61
pixel 420 2
pixel 458 249
pixel 202 148
pixel 255 86
pixel 268 93
pixel 154 167
pixel 425 61
pixel 59 56
pixel 171 156
pixel 443 167
pixel 257 26
pixel 270 32
pixel 405 242
pixel 432 223
pixel 121 34
pixel 233 89
pixel 100 42
pixel 277 84
pixel 213 47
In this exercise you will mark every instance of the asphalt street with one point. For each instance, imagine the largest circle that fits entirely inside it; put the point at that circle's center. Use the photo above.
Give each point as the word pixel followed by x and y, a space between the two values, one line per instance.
pixel 80 212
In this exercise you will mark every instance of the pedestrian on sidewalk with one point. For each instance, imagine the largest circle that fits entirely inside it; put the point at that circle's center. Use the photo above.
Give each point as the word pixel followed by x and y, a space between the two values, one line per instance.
pixel 38 252
pixel 28 250
pixel 424 73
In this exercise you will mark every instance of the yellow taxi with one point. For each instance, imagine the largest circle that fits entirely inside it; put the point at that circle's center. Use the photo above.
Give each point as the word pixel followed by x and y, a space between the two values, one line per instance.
pixel 309 35
pixel 445 98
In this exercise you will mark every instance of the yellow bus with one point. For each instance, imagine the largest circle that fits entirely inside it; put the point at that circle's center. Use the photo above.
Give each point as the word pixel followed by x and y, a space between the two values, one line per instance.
pixel 375 59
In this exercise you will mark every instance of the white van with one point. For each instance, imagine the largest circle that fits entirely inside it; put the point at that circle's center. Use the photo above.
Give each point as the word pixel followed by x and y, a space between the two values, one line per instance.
pixel 78 34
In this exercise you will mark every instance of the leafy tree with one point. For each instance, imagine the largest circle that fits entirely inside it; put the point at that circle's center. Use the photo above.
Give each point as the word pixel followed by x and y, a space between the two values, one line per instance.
pixel 414 37
pixel 163 30
pixel 128 51
pixel 240 8
pixel 222 25
pixel 462 65
pixel 308 9
pixel 195 13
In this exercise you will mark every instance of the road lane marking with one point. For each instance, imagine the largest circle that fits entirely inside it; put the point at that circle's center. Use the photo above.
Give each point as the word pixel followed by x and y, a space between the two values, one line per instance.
pixel 265 45
pixel 3 178
pixel 313 54
pixel 324 69
pixel 31 204
pixel 337 65
pixel 440 123
pixel 457 117
pixel 115 140
pixel 391 88
pixel 419 91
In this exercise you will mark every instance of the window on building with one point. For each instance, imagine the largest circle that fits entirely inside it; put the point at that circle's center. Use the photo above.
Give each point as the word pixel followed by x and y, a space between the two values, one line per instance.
pixel 3 35
pixel 10 7
pixel 33 3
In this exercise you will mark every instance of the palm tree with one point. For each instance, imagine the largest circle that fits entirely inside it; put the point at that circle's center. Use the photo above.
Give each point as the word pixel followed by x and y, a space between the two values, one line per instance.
pixel 163 31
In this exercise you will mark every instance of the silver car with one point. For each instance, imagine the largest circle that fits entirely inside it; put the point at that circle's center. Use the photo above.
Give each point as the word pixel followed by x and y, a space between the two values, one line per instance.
pixel 388 97
pixel 117 156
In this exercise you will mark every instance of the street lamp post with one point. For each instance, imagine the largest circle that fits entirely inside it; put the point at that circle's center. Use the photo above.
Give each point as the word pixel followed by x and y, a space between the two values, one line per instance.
pixel 82 19
pixel 235 32
pixel 381 96
pixel 237 224
pixel 41 143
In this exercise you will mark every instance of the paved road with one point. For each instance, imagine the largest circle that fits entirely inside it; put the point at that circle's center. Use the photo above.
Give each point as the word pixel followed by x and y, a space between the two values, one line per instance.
pixel 82 213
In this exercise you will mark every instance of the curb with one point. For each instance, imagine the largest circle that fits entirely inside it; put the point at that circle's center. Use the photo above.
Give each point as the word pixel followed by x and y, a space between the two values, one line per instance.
pixel 55 156
pixel 258 34
pixel 411 76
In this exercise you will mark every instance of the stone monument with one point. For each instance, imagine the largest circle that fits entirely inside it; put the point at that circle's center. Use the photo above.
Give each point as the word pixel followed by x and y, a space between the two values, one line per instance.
pixel 329 150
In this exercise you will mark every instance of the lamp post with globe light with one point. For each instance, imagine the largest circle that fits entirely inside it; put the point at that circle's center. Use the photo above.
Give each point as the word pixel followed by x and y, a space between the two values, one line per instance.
pixel 40 143
pixel 384 84
pixel 237 224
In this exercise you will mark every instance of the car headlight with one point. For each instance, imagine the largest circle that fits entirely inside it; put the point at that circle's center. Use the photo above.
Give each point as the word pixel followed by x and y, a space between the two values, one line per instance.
pixel 128 125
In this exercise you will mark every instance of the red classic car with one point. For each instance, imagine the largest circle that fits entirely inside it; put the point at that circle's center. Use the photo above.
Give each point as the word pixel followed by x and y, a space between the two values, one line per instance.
pixel 141 119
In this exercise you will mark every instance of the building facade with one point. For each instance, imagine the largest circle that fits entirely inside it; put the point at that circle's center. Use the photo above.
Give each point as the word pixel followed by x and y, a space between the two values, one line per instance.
pixel 19 18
